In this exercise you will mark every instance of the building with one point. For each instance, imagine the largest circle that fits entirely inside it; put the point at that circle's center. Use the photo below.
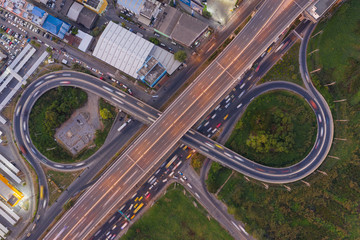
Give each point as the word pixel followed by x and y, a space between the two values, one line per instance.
pixel 98 6
pixel 2 56
pixel 144 10
pixel 318 8
pixel 80 14
pixel 7 192
pixel 81 40
pixel 134 55
pixel 56 26
pixel 178 26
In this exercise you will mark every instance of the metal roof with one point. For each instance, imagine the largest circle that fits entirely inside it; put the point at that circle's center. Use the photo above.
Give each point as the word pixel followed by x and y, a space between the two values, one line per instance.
pixel 74 11
pixel 122 49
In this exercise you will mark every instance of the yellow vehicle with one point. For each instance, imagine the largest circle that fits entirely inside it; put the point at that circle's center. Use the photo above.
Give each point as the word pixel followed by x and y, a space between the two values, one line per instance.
pixel 136 199
pixel 138 208
pixel 219 146
pixel 269 50
pixel 184 148
pixel 132 217
pixel 140 198
pixel 136 205
pixel 41 192
pixel 189 156
pixel 227 115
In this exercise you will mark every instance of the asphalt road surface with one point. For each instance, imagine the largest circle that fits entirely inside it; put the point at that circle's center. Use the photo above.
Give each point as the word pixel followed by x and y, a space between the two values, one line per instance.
pixel 147 151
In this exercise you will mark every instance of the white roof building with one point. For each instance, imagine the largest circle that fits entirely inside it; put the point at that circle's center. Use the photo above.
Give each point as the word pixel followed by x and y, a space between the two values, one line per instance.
pixel 128 52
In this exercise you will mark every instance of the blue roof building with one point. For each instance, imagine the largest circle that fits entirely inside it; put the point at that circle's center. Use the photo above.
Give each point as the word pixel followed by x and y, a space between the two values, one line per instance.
pixel 56 26
pixel 38 12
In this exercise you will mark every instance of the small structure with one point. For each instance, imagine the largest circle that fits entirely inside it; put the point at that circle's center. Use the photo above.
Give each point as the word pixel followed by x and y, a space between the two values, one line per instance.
pixel 151 72
pixel 75 134
pixel 178 26
pixel 2 56
pixel 8 192
pixel 98 6
pixel 145 10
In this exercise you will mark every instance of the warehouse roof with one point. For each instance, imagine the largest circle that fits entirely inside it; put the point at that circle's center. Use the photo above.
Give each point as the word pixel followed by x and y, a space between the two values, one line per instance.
pixel 64 9
pixel 122 49
pixel 179 26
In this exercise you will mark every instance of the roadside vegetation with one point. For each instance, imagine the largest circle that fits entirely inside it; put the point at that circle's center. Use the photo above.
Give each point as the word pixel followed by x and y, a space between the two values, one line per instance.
pixel 176 215
pixel 197 161
pixel 277 129
pixel 329 208
pixel 54 108
pixel 287 69
pixel 58 182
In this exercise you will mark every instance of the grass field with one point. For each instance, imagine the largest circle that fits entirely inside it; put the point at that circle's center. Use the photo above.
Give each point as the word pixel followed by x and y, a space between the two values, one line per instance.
pixel 292 142
pixel 330 208
pixel 286 69
pixel 173 217
pixel 59 181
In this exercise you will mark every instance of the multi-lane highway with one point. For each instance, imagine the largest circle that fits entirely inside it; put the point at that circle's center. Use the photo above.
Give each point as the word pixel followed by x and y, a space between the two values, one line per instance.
pixel 147 151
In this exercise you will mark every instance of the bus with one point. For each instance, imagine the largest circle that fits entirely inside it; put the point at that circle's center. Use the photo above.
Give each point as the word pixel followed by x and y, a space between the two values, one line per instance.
pixel 171 161
pixel 138 208
pixel 41 192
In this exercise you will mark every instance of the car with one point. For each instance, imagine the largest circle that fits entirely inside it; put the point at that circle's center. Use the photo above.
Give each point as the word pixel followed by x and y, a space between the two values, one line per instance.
pixel 101 78
pixel 197 43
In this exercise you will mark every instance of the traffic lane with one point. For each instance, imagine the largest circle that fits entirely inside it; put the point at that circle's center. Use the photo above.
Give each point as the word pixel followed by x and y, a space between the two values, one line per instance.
pixel 268 33
pixel 159 178
pixel 249 32
pixel 212 207
pixel 97 201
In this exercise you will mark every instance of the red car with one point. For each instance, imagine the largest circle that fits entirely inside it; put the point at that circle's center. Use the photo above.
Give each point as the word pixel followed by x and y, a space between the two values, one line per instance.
pixel 101 78
pixel 217 126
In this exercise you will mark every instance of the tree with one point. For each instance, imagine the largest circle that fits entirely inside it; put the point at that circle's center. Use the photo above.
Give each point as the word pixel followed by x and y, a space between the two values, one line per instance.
pixel 154 40
pixel 180 56
pixel 74 31
pixel 105 113
pixel 48 49
pixel 123 24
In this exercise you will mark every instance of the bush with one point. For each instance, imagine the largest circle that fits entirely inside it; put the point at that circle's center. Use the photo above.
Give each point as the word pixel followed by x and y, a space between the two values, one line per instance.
pixel 74 31
pixel 154 40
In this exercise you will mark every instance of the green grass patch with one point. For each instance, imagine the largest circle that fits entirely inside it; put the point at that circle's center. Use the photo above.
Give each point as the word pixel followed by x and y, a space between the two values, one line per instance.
pixel 330 208
pixel 197 161
pixel 277 129
pixel 287 69
pixel 217 176
pixel 58 182
pixel 174 216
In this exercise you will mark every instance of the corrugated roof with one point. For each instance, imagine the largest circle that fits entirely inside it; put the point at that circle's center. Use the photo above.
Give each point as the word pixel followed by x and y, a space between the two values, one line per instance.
pixel 132 5
pixel 122 49
pixel 166 59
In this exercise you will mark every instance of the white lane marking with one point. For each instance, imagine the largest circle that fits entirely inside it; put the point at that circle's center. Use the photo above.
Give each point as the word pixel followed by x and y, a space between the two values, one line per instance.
pixel 117 100
pixel 121 94
pixel 37 84
pixel 204 148
pixel 51 76
pixel 108 89
pixel 241 160
pixel 36 93
pixel 18 110
pixel 210 145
